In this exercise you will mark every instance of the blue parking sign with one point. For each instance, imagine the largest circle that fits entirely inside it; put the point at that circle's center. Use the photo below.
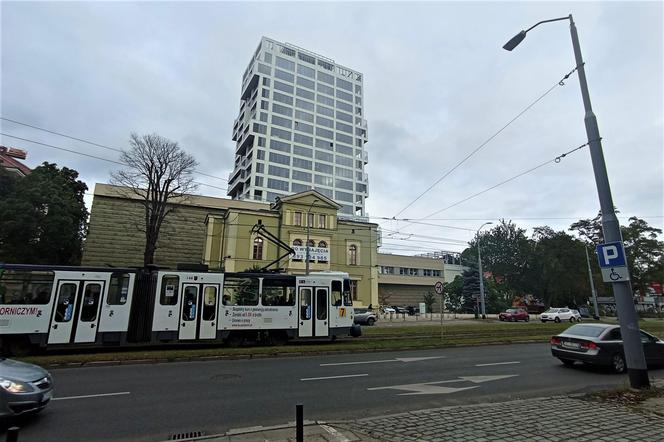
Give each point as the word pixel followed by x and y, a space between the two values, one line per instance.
pixel 611 255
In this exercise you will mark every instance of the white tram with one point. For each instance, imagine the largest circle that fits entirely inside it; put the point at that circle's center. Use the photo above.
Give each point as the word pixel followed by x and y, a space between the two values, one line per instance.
pixel 61 307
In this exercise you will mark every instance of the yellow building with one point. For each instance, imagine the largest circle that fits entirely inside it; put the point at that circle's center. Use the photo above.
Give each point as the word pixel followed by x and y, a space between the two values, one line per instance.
pixel 225 234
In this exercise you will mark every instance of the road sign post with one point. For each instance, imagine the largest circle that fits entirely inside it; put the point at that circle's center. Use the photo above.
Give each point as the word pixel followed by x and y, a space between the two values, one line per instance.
pixel 439 288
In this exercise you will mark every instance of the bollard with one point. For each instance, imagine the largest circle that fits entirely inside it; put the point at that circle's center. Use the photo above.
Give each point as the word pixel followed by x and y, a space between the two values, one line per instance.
pixel 12 434
pixel 299 423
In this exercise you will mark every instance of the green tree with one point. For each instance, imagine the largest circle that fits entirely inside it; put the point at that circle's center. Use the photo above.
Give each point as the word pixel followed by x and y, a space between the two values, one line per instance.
pixel 43 217
pixel 645 253
pixel 557 272
pixel 454 295
pixel 471 288
pixel 430 300
pixel 505 253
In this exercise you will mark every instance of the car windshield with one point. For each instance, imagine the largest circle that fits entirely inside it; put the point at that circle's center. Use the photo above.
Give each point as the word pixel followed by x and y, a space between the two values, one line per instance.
pixel 585 330
pixel 510 310
pixel 552 310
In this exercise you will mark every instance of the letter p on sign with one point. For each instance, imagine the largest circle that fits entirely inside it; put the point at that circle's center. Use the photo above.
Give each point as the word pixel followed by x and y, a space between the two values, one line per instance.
pixel 611 255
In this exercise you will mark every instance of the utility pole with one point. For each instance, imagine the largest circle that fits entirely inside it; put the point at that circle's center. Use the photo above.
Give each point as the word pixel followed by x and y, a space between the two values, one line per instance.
pixel 306 264
pixel 593 292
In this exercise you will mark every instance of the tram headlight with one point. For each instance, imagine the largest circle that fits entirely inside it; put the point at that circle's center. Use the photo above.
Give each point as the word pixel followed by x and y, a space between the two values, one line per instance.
pixel 15 386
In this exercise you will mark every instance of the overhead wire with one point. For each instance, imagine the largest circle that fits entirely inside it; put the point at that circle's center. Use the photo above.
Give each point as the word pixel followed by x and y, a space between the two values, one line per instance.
pixel 88 142
pixel 487 141
pixel 92 156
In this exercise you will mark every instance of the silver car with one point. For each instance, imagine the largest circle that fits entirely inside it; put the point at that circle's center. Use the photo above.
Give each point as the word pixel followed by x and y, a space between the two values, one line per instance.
pixel 24 388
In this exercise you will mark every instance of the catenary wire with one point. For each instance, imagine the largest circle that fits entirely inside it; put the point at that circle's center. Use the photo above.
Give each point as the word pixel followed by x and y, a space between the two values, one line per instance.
pixel 88 142
pixel 487 141
pixel 90 156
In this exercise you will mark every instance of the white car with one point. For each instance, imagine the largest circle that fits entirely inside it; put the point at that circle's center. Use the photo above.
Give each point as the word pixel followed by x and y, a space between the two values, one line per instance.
pixel 388 310
pixel 561 314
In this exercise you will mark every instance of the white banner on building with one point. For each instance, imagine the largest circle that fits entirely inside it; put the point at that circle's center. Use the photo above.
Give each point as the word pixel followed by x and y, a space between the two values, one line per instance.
pixel 315 253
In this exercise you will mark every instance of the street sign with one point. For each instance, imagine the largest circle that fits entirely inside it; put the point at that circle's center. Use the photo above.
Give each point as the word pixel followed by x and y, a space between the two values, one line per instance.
pixel 438 287
pixel 612 262
pixel 611 255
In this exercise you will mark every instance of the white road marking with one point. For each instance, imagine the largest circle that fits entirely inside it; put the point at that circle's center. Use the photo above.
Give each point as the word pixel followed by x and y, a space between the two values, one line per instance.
pixel 89 396
pixel 497 363
pixel 433 388
pixel 336 377
pixel 383 360
pixel 480 379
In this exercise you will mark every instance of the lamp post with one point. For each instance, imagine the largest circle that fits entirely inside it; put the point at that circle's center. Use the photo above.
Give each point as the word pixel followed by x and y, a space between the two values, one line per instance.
pixel 622 290
pixel 479 260
pixel 306 271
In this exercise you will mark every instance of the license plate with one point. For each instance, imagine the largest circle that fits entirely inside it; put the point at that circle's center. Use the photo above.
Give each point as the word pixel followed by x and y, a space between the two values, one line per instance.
pixel 574 345
pixel 47 396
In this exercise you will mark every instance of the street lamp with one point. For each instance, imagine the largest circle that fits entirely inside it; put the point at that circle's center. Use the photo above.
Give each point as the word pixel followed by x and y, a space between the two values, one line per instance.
pixel 308 230
pixel 479 260
pixel 622 290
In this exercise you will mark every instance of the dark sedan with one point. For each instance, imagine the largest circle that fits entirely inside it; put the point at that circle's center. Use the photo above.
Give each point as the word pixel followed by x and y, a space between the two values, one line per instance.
pixel 24 388
pixel 601 344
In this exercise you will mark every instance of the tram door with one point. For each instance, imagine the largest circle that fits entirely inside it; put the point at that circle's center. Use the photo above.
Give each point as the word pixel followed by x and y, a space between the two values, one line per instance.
pixel 198 312
pixel 76 312
pixel 313 311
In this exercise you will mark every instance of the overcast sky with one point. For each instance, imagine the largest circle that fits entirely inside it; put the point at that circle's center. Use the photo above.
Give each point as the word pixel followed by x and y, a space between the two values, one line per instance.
pixel 437 85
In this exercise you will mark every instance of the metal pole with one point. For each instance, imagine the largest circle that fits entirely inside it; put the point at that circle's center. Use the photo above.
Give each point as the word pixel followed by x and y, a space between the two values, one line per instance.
pixel 306 264
pixel 622 290
pixel 593 292
pixel 12 434
pixel 442 296
pixel 299 423
pixel 479 259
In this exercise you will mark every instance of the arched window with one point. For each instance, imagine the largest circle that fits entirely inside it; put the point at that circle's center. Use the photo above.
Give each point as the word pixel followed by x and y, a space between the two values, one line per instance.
pixel 322 244
pixel 312 243
pixel 258 248
pixel 352 255
pixel 297 242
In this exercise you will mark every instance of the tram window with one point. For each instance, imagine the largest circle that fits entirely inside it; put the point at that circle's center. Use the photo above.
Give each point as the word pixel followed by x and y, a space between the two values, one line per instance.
pixel 190 298
pixel 169 290
pixel 209 303
pixel 242 291
pixel 90 302
pixel 321 304
pixel 66 299
pixel 305 303
pixel 336 293
pixel 278 292
pixel 118 289
pixel 348 300
pixel 25 287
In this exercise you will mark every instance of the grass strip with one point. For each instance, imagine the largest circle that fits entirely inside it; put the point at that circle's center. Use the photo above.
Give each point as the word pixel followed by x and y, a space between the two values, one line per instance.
pixel 374 339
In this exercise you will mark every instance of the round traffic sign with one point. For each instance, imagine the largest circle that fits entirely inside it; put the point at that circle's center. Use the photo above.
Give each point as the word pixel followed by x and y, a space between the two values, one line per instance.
pixel 438 287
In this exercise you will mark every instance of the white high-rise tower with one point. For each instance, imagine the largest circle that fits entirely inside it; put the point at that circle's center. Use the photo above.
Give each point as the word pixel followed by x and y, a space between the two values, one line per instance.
pixel 301 126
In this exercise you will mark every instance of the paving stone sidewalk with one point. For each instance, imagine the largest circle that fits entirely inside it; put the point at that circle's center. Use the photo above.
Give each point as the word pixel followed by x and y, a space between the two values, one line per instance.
pixel 544 419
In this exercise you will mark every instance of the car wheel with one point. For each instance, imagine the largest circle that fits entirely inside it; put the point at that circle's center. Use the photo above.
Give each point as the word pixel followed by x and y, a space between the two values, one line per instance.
pixel 572 319
pixel 618 363
pixel 557 319
pixel 512 319
pixel 567 362
pixel 543 321
pixel 500 318
pixel 370 321
pixel 527 318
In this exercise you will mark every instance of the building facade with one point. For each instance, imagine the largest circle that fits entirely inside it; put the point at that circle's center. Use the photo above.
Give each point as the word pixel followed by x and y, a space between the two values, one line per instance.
pixel 224 234
pixel 301 125
pixel 404 280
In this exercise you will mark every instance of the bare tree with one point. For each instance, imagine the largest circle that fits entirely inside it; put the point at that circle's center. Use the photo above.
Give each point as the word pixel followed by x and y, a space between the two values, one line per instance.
pixel 158 171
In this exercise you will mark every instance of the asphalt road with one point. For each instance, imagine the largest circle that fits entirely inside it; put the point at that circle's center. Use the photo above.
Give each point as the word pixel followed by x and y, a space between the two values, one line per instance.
pixel 155 401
